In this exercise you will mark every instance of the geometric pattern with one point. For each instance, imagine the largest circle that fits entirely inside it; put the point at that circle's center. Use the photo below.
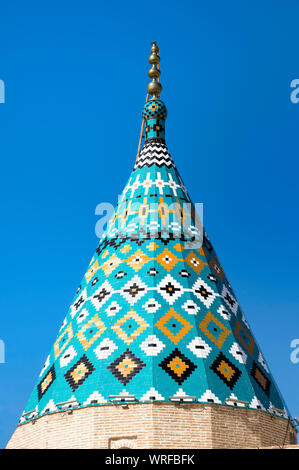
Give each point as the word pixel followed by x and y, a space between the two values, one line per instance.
pixel 199 347
pixel 154 309
pixel 63 340
pixel 133 290
pixel 209 397
pixel 229 299
pixel 151 305
pixel 263 362
pixel 105 348
pixel 154 109
pixel 178 366
pixel 79 372
pixel 238 353
pixel 195 262
pixel 191 307
pixel 94 399
pixel 260 378
pixel 170 289
pixel 130 326
pixel 152 154
pixel 67 356
pixel 152 345
pixel 91 331
pixel 244 337
pixel 45 366
pixel 126 366
pixel 214 330
pixel 226 370
pixel 152 395
pixel 204 292
pixel 46 382
pixel 174 326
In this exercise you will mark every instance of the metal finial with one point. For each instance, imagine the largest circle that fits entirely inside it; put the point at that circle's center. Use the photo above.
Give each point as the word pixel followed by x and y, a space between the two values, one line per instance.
pixel 154 87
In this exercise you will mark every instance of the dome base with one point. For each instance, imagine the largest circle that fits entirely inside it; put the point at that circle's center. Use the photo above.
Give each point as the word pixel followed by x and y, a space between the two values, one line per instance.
pixel 154 426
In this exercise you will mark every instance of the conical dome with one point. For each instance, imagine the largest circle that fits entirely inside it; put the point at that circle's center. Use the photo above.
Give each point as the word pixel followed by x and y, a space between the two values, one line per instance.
pixel 154 318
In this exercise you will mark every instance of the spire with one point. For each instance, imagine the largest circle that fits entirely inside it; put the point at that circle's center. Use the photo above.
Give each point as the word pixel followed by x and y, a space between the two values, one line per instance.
pixel 154 112
pixel 154 87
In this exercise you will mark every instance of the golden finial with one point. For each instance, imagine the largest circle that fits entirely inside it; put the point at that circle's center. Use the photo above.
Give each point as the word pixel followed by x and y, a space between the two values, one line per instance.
pixel 154 87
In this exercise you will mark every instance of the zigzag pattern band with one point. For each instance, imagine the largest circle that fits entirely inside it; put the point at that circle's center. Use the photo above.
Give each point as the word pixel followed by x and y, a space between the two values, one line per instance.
pixel 154 153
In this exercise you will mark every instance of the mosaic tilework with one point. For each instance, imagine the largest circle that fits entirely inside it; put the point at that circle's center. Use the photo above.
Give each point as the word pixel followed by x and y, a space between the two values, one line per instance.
pixel 154 114
pixel 154 109
pixel 155 153
pixel 154 315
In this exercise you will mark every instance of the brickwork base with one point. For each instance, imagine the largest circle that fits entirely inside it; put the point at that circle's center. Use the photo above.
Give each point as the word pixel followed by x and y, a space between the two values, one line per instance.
pixel 154 426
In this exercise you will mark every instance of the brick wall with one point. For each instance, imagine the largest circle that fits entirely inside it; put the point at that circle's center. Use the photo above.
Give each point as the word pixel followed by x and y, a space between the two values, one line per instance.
pixel 154 426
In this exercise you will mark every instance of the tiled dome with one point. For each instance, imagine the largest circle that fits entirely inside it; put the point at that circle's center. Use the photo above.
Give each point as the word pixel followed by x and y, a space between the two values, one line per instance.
pixel 154 109
pixel 154 316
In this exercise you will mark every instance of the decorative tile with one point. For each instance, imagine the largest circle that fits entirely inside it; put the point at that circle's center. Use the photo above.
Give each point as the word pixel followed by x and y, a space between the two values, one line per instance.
pixel 174 326
pixel 226 370
pixel 199 347
pixel 151 305
pixel 209 397
pixel 178 366
pixel 217 269
pixel 91 331
pixel 152 246
pixel 94 281
pixel 244 337
pixel 78 303
pixel 82 315
pixel 170 289
pixel 152 395
pixel 92 270
pixel 195 262
pixel 260 378
pixel 204 292
pixel 238 353
pixel 152 345
pixel 126 366
pixel 101 295
pixel 263 362
pixel 191 307
pixel 184 273
pixel 49 408
pixel 134 290
pixel 167 259
pixel 152 272
pixel 95 398
pixel 214 329
pixel 235 403
pixel 105 348
pixel 46 382
pixel 256 404
pixel 224 312
pixel 45 366
pixel 112 309
pixel 126 249
pixel 138 260
pixel 79 372
pixel 68 355
pixel 129 327
pixel 120 274
pixel 229 300
pixel 63 340
pixel 111 264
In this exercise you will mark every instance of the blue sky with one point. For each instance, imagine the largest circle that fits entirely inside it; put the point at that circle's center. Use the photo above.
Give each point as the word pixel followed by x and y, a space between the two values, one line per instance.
pixel 75 77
